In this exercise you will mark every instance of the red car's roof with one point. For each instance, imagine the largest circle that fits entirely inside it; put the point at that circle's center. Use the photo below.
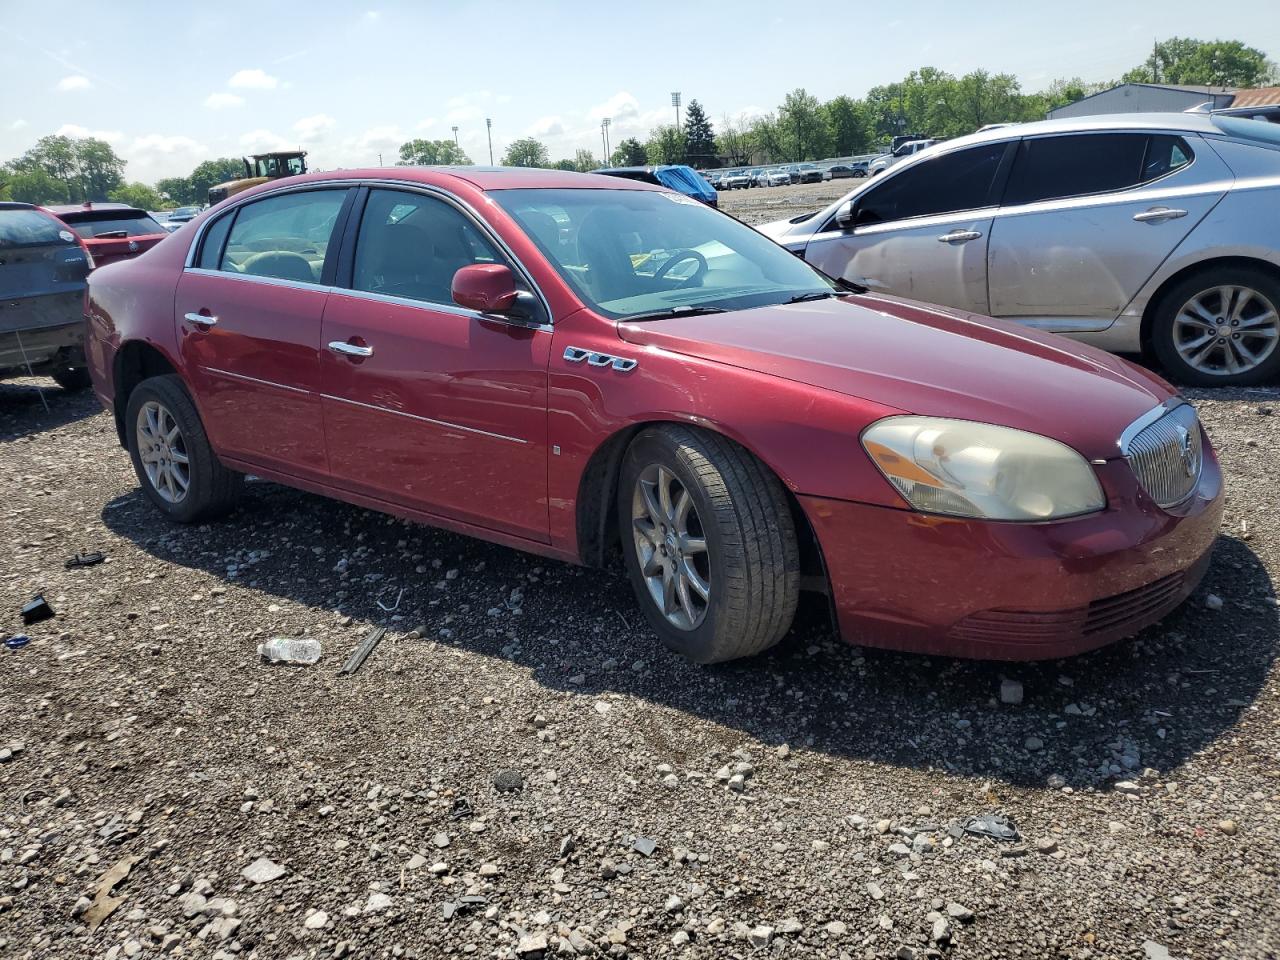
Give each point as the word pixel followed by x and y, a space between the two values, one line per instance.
pixel 487 178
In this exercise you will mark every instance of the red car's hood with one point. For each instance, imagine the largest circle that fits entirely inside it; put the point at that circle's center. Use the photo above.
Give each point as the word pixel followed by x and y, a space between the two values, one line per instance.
pixel 927 360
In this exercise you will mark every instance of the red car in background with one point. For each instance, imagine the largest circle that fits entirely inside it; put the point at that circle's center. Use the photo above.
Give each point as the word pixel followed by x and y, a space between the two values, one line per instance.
pixel 569 364
pixel 111 231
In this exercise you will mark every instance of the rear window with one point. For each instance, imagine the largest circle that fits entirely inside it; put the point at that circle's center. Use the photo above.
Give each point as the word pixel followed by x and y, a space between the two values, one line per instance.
pixel 1079 165
pixel 107 224
pixel 29 228
pixel 1249 129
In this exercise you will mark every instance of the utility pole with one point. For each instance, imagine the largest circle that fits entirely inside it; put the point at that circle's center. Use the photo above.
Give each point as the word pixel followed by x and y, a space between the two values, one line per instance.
pixel 604 144
pixel 1155 60
pixel 455 138
pixel 379 159
pixel 488 125
pixel 675 102
pixel 604 124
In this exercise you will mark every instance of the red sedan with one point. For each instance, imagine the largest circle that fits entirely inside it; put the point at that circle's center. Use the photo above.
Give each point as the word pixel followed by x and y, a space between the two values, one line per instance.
pixel 111 231
pixel 568 364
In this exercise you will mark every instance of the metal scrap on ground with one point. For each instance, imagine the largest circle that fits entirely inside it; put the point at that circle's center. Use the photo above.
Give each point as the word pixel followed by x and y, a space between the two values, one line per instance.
pixel 361 653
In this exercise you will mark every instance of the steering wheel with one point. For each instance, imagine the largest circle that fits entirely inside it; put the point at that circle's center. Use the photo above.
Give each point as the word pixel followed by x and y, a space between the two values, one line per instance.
pixel 680 256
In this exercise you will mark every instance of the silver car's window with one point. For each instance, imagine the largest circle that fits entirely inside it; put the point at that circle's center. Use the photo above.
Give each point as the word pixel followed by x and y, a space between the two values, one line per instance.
pixel 410 245
pixel 963 180
pixel 284 236
pixel 1079 165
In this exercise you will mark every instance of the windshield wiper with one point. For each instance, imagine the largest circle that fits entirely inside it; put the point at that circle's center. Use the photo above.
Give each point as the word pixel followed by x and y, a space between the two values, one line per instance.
pixel 686 311
pixel 808 297
pixel 111 235
pixel 848 285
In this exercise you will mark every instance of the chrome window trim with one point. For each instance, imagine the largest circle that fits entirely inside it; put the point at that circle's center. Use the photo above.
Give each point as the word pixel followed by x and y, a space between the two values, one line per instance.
pixel 411 186
pixel 255 278
pixel 413 416
pixel 266 383
pixel 450 308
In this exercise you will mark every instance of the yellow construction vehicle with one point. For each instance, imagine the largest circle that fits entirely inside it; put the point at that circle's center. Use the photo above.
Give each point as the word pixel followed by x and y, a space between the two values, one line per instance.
pixel 260 168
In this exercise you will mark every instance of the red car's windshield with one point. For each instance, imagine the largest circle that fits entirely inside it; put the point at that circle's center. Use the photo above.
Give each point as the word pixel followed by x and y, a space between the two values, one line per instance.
pixel 633 252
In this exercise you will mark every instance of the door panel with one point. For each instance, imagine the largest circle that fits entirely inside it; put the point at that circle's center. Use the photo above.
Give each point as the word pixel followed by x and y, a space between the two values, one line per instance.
pixel 448 414
pixel 909 259
pixel 1074 264
pixel 256 371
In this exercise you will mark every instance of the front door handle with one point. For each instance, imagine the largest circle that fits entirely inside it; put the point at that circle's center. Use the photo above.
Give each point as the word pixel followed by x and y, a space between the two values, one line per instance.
pixel 350 349
pixel 959 236
pixel 1159 215
pixel 200 319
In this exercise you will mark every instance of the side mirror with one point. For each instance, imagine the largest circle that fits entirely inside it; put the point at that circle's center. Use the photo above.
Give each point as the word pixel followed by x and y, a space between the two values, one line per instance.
pixel 487 287
pixel 847 215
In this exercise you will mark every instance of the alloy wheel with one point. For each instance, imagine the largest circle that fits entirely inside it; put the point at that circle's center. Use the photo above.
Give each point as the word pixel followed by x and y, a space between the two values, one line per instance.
pixel 163 452
pixel 671 546
pixel 1226 330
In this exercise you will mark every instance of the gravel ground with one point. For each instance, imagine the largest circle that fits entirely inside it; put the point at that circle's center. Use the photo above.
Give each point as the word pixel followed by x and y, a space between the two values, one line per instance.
pixel 762 204
pixel 519 769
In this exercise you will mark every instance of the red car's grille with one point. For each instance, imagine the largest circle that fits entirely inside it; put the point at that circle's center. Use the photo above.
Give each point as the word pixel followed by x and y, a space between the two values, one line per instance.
pixel 1125 612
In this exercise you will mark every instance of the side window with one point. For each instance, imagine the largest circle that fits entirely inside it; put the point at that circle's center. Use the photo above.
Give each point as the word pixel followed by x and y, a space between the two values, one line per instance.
pixel 954 181
pixel 410 245
pixel 1057 168
pixel 285 236
pixel 215 238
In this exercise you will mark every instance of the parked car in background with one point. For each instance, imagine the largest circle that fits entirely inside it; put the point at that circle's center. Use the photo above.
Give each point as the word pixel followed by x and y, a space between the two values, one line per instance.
pixel 111 231
pixel 737 180
pixel 574 364
pixel 805 173
pixel 900 153
pixel 43 265
pixel 754 174
pixel 184 214
pixel 773 177
pixel 1142 233
pixel 162 218
pixel 673 176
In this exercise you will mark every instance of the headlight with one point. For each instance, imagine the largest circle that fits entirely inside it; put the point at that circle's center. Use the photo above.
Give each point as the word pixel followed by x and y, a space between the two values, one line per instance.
pixel 971 469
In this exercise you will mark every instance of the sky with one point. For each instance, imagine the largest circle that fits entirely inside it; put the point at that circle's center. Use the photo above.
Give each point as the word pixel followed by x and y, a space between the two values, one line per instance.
pixel 170 84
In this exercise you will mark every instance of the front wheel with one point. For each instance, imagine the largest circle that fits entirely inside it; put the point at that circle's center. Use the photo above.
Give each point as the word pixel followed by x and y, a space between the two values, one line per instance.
pixel 709 542
pixel 176 466
pixel 1220 327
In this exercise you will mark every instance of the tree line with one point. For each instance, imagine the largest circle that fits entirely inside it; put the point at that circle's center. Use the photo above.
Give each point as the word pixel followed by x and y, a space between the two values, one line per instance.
pixel 927 101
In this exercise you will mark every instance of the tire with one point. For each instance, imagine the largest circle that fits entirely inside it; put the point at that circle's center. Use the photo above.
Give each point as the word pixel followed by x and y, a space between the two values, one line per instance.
pixel 1192 307
pixel 72 379
pixel 739 511
pixel 211 489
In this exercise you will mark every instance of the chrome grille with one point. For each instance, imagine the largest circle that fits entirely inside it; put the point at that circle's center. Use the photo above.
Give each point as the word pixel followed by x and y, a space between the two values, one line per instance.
pixel 1166 456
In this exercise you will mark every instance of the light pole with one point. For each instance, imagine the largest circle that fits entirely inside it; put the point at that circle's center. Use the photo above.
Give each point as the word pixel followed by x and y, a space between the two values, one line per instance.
pixel 675 102
pixel 455 138
pixel 488 125
pixel 604 135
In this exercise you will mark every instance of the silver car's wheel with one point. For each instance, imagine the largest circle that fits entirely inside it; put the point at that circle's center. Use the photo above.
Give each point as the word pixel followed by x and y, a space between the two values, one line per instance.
pixel 1226 330
pixel 163 452
pixel 671 547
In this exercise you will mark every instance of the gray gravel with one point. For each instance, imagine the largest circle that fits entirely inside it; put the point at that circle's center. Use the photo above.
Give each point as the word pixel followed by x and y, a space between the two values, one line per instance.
pixel 519 769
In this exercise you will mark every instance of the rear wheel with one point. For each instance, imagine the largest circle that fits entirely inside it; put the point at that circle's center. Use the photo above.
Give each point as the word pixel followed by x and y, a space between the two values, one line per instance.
pixel 709 543
pixel 176 466
pixel 72 378
pixel 1220 327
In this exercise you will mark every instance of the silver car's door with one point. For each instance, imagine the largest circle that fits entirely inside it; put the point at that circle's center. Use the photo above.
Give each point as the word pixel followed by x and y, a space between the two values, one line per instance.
pixel 1087 218
pixel 921 230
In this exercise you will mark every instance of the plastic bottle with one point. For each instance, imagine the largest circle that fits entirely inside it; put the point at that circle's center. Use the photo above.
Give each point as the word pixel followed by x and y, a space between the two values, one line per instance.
pixel 303 650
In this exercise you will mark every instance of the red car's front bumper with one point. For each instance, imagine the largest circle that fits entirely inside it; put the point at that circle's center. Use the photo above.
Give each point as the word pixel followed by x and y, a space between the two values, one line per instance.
pixel 1016 591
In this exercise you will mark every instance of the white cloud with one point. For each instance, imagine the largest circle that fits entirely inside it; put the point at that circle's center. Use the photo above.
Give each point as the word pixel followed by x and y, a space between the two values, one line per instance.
pixel 18 124
pixel 253 79
pixel 75 130
pixel 545 127
pixel 75 82
pixel 376 137
pixel 263 141
pixel 310 129
pixel 160 143
pixel 220 101
pixel 373 15
pixel 426 124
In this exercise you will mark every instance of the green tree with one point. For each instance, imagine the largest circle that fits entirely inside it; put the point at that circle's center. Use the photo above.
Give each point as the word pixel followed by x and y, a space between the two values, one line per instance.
pixel 803 126
pixel 212 172
pixel 101 171
pixel 699 136
pixel 88 167
pixel 629 153
pixel 137 195
pixel 33 186
pixel 733 142
pixel 584 161
pixel 846 119
pixel 565 164
pixel 431 153
pixel 1211 63
pixel 978 98
pixel 526 152
pixel 176 190
pixel 665 145
pixel 766 141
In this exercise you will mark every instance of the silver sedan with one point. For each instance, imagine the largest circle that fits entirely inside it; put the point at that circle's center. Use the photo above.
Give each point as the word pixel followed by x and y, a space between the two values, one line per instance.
pixel 1138 233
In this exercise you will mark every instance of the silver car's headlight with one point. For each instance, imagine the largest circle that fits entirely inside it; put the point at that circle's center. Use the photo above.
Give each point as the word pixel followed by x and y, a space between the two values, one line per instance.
pixel 968 469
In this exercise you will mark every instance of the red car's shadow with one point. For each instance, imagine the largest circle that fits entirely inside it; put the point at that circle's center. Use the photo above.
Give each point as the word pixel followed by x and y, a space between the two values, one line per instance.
pixel 22 412
pixel 1151 702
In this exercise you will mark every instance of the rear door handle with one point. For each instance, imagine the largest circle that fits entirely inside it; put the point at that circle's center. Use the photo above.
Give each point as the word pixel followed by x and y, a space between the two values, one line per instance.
pixel 959 236
pixel 350 349
pixel 1159 215
pixel 200 319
